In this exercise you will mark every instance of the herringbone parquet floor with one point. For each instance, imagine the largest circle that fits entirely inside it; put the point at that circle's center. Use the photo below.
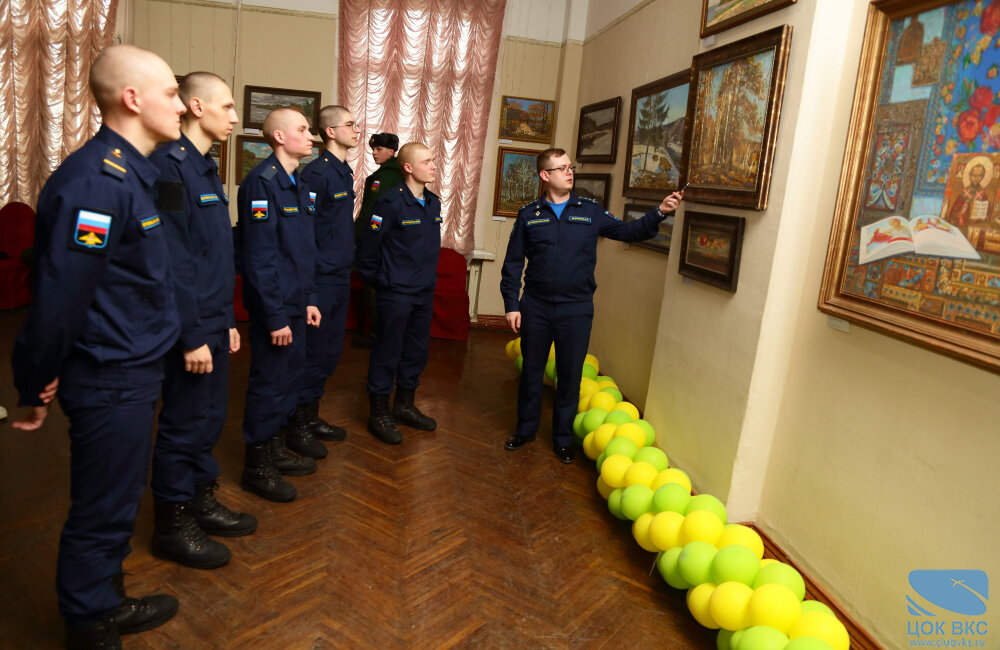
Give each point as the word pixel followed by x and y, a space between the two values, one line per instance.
pixel 444 541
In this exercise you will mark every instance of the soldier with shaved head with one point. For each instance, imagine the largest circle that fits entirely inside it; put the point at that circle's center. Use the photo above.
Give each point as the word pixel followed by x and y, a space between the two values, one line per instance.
pixel 103 318
pixel 277 259
pixel 195 213
pixel 398 255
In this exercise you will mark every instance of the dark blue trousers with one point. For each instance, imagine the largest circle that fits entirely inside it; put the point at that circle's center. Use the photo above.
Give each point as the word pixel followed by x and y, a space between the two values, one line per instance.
pixel 275 380
pixel 404 333
pixel 568 324
pixel 325 343
pixel 191 421
pixel 110 431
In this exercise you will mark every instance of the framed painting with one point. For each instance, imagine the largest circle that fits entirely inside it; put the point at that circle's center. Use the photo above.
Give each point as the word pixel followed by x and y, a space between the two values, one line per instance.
pixel 914 249
pixel 734 106
pixel 655 162
pixel 517 180
pixel 254 150
pixel 661 242
pixel 720 15
pixel 258 101
pixel 530 120
pixel 711 245
pixel 220 154
pixel 597 137
pixel 593 186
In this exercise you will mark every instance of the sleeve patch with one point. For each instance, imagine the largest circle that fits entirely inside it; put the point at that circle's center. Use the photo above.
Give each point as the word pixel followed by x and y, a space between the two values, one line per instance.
pixel 375 185
pixel 376 223
pixel 608 212
pixel 91 230
pixel 258 210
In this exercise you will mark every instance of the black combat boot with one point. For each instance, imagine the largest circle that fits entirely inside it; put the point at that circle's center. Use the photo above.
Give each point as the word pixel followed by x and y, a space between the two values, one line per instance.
pixel 215 518
pixel 285 461
pixel 261 477
pixel 299 437
pixel 405 412
pixel 380 422
pixel 141 614
pixel 176 537
pixel 320 427
pixel 102 636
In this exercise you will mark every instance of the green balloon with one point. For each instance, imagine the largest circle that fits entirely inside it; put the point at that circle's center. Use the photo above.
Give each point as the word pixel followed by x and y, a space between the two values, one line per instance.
pixel 654 456
pixel 762 637
pixel 695 562
pixel 671 496
pixel 808 643
pixel 816 606
pixel 636 500
pixel 606 377
pixel 622 446
pixel 735 563
pixel 518 362
pixel 722 640
pixel 550 369
pixel 600 460
pixel 614 392
pixel 647 428
pixel 707 502
pixel 735 641
pixel 593 419
pixel 589 371
pixel 615 502
pixel 578 426
pixel 617 417
pixel 782 574
pixel 666 564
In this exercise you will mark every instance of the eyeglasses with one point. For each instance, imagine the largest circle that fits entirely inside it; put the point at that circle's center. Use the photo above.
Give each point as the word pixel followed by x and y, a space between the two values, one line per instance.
pixel 349 125
pixel 565 169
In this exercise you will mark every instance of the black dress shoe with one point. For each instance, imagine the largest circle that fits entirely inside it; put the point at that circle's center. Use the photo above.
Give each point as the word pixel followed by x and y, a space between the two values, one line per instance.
pixel 141 614
pixel 565 454
pixel 516 442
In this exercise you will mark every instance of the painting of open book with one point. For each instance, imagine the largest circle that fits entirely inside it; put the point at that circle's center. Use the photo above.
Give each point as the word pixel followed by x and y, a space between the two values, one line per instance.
pixel 926 235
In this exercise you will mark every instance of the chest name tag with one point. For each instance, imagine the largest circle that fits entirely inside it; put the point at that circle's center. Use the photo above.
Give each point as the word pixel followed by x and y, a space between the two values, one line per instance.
pixel 258 210
pixel 91 229
pixel 376 222
pixel 340 195
pixel 535 222
pixel 579 219
pixel 437 219
pixel 290 209
pixel 150 222
pixel 410 222
pixel 208 199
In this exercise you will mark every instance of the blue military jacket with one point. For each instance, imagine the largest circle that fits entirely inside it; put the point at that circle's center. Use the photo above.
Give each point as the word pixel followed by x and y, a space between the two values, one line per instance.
pixel 562 253
pixel 331 185
pixel 276 240
pixel 399 250
pixel 101 278
pixel 195 214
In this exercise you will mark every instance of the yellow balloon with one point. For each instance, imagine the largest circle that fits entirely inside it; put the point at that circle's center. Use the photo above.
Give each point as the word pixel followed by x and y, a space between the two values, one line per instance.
pixel 603 435
pixel 592 360
pixel 604 401
pixel 700 525
pixel 604 382
pixel 632 431
pixel 582 405
pixel 640 531
pixel 614 468
pixel 629 408
pixel 603 488
pixel 728 605
pixel 697 602
pixel 822 626
pixel 517 347
pixel 510 350
pixel 589 450
pixel 737 534
pixel 671 475
pixel 552 352
pixel 641 473
pixel 587 387
pixel 665 529
pixel 774 605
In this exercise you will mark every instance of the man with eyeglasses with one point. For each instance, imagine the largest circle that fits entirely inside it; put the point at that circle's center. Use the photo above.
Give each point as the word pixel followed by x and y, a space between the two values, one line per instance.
pixel 331 192
pixel 557 234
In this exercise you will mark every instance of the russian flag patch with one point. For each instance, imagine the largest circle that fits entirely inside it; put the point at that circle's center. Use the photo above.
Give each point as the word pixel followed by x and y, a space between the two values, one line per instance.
pixel 376 222
pixel 91 229
pixel 258 210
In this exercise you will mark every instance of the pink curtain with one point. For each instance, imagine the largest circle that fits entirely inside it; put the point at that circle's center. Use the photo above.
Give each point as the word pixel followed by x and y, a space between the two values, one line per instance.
pixel 424 69
pixel 46 110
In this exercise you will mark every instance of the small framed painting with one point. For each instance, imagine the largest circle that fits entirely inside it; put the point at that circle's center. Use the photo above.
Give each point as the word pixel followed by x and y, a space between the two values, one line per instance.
pixel 517 181
pixel 597 137
pixel 719 15
pixel 254 150
pixel 220 154
pixel 711 245
pixel 258 101
pixel 530 120
pixel 593 186
pixel 661 242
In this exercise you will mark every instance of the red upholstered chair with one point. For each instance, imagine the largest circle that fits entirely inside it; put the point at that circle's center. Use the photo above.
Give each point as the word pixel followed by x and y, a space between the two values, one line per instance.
pixel 451 298
pixel 17 234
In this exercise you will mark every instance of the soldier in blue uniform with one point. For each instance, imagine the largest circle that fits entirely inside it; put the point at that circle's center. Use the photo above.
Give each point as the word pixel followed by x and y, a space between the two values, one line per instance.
pixel 557 233
pixel 277 258
pixel 194 210
pixel 102 320
pixel 331 186
pixel 398 255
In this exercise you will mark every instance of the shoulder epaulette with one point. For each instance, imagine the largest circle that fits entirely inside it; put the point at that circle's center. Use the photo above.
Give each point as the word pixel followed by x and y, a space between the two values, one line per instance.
pixel 114 163
pixel 529 203
pixel 594 201
pixel 269 173
pixel 178 152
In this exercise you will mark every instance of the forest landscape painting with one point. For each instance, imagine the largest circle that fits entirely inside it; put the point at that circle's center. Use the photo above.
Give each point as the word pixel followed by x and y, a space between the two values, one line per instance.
pixel 657 126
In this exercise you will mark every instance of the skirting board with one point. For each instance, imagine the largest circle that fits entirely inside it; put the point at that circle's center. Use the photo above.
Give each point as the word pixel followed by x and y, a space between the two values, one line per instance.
pixel 490 322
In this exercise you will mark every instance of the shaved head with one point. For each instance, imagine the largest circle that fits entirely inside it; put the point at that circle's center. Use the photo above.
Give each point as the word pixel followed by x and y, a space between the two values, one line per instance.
pixel 121 66
pixel 203 85
pixel 409 152
pixel 331 116
pixel 280 119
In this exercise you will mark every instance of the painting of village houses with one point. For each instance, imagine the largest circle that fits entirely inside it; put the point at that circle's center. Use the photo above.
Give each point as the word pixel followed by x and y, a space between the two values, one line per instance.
pixel 530 120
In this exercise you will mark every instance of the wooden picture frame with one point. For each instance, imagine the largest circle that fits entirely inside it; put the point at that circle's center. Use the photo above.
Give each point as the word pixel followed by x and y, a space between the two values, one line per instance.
pixel 656 154
pixel 661 242
pixel 253 150
pixel 923 156
pixel 730 152
pixel 220 154
pixel 526 119
pixel 719 15
pixel 594 186
pixel 258 101
pixel 517 180
pixel 597 132
pixel 711 247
